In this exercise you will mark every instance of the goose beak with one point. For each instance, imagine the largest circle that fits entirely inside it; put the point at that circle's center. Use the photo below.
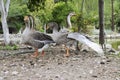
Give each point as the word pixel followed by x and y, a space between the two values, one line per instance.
pixel 72 14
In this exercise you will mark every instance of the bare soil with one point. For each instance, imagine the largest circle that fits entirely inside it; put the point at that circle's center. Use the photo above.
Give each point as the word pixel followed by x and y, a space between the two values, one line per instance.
pixel 54 66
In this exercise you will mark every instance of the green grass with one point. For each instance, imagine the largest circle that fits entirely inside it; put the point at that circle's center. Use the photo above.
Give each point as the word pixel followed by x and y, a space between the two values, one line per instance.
pixel 8 47
pixel 115 44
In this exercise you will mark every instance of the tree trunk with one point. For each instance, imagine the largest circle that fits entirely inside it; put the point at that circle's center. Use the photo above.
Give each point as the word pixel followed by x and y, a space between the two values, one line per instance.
pixel 112 21
pixel 101 22
pixel 4 13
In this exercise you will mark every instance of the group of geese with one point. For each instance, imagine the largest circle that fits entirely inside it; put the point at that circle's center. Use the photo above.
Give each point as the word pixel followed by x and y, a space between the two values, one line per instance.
pixel 41 41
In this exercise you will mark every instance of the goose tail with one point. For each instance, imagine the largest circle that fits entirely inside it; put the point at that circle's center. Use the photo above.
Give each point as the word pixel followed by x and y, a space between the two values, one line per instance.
pixel 83 39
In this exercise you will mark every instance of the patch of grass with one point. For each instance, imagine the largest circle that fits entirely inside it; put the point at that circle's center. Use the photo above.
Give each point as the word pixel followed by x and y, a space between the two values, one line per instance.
pixel 8 47
pixel 115 44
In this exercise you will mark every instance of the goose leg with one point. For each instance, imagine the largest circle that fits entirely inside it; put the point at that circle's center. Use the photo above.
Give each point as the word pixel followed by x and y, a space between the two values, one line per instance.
pixel 43 53
pixel 35 53
pixel 67 52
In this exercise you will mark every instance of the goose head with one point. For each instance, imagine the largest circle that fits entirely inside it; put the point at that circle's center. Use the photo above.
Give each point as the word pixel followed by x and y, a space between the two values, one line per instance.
pixel 53 26
pixel 29 28
pixel 71 14
pixel 68 19
pixel 29 21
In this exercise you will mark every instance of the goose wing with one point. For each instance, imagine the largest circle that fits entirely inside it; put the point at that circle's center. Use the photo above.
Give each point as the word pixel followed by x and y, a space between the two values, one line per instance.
pixel 41 37
pixel 38 40
pixel 83 39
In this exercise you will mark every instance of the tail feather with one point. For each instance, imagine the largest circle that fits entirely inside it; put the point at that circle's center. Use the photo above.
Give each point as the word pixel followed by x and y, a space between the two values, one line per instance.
pixel 96 47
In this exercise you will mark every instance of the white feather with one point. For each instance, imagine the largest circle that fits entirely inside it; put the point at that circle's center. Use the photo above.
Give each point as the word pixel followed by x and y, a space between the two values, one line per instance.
pixel 45 47
pixel 96 47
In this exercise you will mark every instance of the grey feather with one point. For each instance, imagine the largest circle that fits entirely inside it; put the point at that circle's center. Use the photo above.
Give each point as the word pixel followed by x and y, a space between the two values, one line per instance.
pixel 96 47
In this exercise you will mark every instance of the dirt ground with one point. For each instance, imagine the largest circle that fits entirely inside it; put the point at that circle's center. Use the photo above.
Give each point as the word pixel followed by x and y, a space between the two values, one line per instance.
pixel 54 66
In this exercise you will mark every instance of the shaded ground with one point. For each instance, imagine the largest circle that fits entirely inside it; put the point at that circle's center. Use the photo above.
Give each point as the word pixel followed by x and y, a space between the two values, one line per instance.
pixel 54 66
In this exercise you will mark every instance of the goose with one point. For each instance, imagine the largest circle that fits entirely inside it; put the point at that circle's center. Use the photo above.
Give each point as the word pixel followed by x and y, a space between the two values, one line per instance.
pixel 60 38
pixel 36 39
pixel 70 38
pixel 60 34
pixel 69 25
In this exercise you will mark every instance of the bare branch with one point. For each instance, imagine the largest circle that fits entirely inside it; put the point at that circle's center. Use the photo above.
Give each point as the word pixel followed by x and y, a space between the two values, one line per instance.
pixel 7 7
pixel 2 9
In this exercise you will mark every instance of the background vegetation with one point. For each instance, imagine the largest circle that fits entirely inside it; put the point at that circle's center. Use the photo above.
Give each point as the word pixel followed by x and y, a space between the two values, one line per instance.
pixel 46 11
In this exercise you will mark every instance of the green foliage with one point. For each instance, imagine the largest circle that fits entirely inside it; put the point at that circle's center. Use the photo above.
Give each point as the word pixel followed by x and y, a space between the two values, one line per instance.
pixel 117 14
pixel 18 9
pixel 34 5
pixel 8 47
pixel 115 44
pixel 45 11
pixel 90 6
pixel 61 11
pixel 43 16
pixel 81 23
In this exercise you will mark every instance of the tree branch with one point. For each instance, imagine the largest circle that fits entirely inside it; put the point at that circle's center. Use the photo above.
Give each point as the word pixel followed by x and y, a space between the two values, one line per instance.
pixel 2 7
pixel 4 22
pixel 7 7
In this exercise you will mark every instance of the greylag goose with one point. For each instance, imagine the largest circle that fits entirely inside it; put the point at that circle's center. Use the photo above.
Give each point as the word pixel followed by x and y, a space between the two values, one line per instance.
pixel 36 39
pixel 69 25
pixel 69 39
pixel 60 38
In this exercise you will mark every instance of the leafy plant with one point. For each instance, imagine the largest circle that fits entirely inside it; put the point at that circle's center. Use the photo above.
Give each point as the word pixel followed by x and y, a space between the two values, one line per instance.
pixel 46 11
pixel 18 9
pixel 60 12
pixel 43 16
pixel 81 23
